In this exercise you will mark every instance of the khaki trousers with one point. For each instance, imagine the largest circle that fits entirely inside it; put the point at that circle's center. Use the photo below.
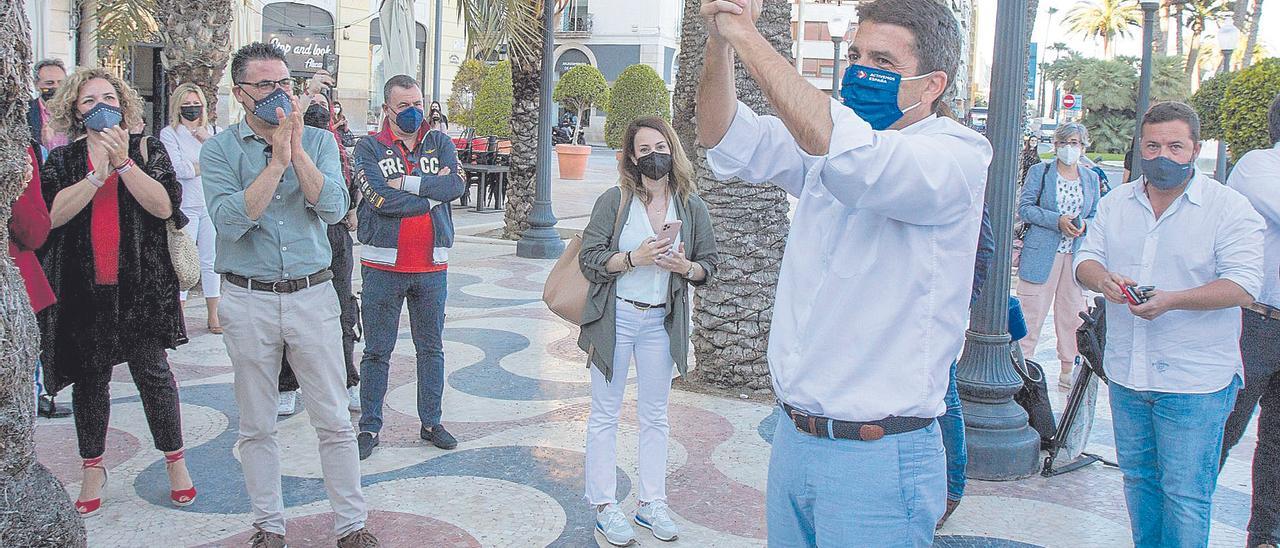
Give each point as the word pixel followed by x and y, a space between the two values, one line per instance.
pixel 1064 294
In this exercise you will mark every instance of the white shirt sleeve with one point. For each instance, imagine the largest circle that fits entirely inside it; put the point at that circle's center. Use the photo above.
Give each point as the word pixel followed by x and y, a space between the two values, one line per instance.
pixel 919 178
pixel 1257 185
pixel 1238 245
pixel 760 149
pixel 183 168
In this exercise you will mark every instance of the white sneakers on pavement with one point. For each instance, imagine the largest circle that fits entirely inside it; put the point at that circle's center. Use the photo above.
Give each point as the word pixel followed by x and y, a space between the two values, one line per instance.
pixel 655 517
pixel 353 395
pixel 612 523
pixel 287 404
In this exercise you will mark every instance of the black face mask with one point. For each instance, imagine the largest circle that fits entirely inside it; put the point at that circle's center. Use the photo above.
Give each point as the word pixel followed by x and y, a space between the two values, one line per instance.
pixel 47 93
pixel 316 116
pixel 655 165
pixel 192 113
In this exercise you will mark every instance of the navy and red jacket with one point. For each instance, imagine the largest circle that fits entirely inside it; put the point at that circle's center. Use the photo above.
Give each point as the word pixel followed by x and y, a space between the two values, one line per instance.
pixel 409 229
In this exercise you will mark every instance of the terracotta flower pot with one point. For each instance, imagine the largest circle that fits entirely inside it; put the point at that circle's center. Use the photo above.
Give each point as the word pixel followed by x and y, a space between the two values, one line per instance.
pixel 573 161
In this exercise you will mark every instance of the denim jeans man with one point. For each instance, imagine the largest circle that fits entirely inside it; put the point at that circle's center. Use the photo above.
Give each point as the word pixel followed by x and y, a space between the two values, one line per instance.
pixel 1172 352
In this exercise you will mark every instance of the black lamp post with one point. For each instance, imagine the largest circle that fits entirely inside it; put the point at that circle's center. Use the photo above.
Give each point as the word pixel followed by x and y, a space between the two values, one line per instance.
pixel 1149 8
pixel 1001 445
pixel 541 241
pixel 1228 37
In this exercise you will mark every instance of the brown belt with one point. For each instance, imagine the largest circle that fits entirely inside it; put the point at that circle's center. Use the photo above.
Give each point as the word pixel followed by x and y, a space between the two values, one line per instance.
pixel 1267 311
pixel 282 286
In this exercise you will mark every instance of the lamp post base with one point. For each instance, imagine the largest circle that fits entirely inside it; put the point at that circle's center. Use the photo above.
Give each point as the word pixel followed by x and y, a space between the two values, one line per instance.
pixel 540 243
pixel 1000 443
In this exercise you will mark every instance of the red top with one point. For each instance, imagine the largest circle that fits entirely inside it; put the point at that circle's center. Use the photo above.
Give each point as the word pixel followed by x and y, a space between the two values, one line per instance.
pixel 28 230
pixel 104 230
pixel 415 247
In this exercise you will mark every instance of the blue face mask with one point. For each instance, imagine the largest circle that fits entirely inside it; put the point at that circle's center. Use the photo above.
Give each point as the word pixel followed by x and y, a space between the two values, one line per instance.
pixel 872 93
pixel 1164 173
pixel 409 119
pixel 102 116
pixel 265 108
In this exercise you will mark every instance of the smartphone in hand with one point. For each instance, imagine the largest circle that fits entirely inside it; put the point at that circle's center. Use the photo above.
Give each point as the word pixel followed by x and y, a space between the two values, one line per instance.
pixel 1137 295
pixel 669 231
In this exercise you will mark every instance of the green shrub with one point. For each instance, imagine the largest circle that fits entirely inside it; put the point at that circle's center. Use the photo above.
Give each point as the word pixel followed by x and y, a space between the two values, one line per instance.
pixel 579 89
pixel 494 102
pixel 462 96
pixel 1208 104
pixel 1168 80
pixel 1244 111
pixel 638 93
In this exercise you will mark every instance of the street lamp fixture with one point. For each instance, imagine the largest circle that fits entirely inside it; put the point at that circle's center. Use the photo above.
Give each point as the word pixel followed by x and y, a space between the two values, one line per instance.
pixel 1149 8
pixel 836 27
pixel 1228 38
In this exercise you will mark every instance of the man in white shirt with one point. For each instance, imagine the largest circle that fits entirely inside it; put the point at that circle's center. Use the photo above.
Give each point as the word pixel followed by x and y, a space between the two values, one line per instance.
pixel 1173 360
pixel 1257 177
pixel 873 295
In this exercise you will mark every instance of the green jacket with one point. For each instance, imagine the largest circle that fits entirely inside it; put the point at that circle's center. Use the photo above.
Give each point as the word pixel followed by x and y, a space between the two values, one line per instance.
pixel 599 243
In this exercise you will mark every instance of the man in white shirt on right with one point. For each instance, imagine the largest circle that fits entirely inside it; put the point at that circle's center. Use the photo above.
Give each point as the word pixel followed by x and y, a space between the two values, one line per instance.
pixel 1257 177
pixel 1173 360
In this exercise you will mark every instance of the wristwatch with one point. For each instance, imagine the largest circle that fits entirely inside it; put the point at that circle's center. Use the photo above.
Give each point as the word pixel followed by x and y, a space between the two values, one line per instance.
pixel 689 274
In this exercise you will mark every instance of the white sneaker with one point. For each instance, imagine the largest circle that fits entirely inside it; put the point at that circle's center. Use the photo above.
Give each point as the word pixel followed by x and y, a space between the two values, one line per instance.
pixel 612 523
pixel 287 404
pixel 353 395
pixel 655 517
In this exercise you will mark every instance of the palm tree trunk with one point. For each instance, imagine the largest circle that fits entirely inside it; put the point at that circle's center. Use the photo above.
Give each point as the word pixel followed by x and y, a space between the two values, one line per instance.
pixel 1179 39
pixel 34 508
pixel 526 79
pixel 1193 54
pixel 1255 21
pixel 732 314
pixel 196 37
pixel 1106 46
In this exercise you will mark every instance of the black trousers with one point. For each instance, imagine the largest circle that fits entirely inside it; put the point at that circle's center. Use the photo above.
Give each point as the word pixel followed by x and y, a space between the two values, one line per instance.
pixel 342 267
pixel 1260 348
pixel 91 395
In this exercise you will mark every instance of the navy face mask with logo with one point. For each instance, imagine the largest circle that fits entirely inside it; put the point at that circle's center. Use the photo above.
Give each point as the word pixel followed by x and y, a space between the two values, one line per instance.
pixel 102 116
pixel 872 93
pixel 265 108
pixel 1164 173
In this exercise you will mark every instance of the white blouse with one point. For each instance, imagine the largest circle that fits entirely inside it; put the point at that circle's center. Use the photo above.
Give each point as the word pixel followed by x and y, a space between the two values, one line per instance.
pixel 646 284
pixel 184 153
pixel 1070 203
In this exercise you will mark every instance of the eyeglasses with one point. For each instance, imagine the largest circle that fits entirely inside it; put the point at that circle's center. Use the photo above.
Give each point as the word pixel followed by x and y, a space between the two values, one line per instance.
pixel 268 85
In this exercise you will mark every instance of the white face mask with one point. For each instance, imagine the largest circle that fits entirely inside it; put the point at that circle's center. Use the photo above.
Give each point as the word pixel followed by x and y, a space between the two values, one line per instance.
pixel 1069 154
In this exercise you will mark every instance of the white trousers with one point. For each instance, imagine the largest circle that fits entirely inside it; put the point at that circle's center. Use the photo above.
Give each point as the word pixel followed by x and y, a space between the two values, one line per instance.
pixel 200 229
pixel 640 334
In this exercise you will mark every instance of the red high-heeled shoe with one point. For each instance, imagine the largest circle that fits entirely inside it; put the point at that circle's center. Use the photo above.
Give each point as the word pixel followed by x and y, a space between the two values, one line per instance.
pixel 88 508
pixel 182 497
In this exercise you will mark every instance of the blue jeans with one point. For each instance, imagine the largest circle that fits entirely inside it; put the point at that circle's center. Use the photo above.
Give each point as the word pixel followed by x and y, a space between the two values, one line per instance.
pixel 952 426
pixel 834 492
pixel 384 295
pixel 1168 446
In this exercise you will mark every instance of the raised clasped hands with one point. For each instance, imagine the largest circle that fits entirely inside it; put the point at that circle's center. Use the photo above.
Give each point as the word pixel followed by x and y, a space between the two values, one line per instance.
pixel 731 20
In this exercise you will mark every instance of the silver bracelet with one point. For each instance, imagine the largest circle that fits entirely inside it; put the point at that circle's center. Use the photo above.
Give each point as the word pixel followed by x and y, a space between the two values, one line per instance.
pixel 94 180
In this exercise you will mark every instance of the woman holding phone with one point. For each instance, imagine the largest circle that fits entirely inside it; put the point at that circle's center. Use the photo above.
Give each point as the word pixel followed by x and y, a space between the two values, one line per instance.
pixel 1058 201
pixel 648 239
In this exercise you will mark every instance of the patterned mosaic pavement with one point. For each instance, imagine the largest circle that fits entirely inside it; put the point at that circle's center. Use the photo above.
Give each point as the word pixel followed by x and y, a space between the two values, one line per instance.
pixel 517 398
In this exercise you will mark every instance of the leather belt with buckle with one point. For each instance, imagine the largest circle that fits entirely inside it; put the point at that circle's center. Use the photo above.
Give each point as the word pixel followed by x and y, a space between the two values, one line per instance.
pixel 639 305
pixel 823 427
pixel 283 286
pixel 1267 311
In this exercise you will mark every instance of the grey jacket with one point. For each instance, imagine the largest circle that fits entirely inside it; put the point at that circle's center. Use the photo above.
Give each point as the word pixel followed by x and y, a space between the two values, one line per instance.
pixel 1038 206
pixel 599 243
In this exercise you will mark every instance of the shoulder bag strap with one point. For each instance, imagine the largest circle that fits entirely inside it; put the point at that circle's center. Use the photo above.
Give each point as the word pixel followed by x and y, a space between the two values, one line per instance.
pixel 624 203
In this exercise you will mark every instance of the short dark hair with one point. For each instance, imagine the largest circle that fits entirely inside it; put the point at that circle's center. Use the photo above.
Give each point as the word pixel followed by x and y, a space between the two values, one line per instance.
pixel 1273 120
pixel 1174 111
pixel 935 29
pixel 257 51
pixel 397 81
pixel 45 63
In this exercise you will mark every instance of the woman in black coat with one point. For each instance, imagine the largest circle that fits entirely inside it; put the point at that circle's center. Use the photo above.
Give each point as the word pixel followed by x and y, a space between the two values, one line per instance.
pixel 107 258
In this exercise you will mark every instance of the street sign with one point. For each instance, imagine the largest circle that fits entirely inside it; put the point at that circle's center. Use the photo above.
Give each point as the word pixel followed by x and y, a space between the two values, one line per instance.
pixel 1031 73
pixel 1068 101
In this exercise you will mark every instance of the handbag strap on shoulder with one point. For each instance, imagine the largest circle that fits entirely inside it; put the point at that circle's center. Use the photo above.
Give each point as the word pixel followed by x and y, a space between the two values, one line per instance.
pixel 624 200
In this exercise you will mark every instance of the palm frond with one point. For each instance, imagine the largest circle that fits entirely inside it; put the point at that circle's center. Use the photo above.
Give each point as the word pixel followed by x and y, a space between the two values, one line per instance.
pixel 122 23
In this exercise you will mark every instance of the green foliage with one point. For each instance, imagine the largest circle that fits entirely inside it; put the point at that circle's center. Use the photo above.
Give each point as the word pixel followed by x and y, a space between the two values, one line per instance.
pixel 1109 88
pixel 466 87
pixel 1108 85
pixel 1111 131
pixel 1208 104
pixel 1168 79
pixel 495 102
pixel 1244 111
pixel 121 24
pixel 580 89
pixel 638 93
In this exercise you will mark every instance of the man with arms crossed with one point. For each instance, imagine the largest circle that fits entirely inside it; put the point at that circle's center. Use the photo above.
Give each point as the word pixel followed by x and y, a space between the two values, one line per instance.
pixel 1173 359
pixel 873 296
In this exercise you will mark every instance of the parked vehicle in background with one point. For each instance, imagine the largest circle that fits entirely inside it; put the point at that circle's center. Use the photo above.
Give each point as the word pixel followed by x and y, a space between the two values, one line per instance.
pixel 1047 127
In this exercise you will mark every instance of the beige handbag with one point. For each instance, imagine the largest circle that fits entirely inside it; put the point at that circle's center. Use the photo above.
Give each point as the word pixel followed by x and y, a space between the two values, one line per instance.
pixel 182 249
pixel 565 291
